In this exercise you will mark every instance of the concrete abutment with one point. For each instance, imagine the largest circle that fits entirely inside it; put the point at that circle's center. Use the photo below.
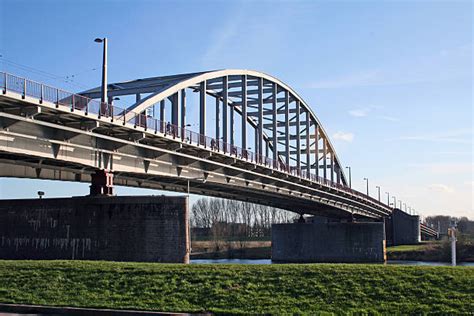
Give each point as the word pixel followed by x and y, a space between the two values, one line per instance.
pixel 403 228
pixel 328 242
pixel 124 228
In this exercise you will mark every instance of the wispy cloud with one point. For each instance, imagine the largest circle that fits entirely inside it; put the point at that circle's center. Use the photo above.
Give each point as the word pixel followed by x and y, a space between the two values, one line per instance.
pixel 406 72
pixel 461 136
pixel 453 153
pixel 441 188
pixel 346 137
pixel 365 111
pixel 350 80
pixel 388 118
pixel 222 37
pixel 359 112
pixel 220 41
pixel 448 168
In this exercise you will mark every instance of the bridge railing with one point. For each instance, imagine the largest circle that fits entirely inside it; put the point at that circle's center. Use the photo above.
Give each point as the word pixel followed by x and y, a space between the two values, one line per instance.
pixel 75 102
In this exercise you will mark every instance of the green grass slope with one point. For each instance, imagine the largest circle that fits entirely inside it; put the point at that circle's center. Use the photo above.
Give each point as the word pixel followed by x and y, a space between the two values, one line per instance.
pixel 302 289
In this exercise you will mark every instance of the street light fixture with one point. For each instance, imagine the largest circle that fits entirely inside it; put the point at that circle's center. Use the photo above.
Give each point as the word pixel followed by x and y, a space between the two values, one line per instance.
pixel 350 177
pixel 378 188
pixel 189 179
pixel 388 198
pixel 394 202
pixel 400 201
pixel 367 180
pixel 103 97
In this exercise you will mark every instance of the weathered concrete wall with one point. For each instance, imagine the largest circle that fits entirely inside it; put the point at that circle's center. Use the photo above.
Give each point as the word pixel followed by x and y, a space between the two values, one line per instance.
pixel 405 228
pixel 125 228
pixel 328 242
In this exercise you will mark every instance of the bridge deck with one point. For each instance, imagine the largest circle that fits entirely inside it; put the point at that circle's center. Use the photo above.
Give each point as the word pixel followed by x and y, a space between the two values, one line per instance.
pixel 51 134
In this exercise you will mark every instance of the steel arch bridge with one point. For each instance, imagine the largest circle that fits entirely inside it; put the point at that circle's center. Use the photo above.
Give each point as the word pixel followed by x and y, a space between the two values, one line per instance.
pixel 285 127
pixel 53 134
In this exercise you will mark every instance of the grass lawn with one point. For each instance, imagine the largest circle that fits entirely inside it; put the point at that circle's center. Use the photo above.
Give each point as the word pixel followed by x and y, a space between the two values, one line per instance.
pixel 309 289
pixel 402 248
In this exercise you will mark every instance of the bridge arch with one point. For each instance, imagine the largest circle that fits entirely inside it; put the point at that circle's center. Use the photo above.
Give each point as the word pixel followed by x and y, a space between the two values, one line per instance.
pixel 285 127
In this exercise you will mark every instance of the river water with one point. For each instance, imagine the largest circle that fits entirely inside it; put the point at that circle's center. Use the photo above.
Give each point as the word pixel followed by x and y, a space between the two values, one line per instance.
pixel 268 261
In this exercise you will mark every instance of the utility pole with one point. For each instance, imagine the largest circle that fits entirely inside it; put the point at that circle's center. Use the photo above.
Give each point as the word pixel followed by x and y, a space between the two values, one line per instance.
pixel 189 211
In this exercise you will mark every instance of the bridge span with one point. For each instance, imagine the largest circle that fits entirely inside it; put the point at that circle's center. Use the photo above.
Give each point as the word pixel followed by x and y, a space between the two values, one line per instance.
pixel 48 133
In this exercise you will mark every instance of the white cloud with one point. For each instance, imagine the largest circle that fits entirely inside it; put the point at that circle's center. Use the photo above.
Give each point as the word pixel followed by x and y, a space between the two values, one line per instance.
pixel 365 111
pixel 461 136
pixel 406 71
pixel 359 112
pixel 346 137
pixel 448 168
pixel 441 188
pixel 222 37
pixel 389 118
pixel 351 80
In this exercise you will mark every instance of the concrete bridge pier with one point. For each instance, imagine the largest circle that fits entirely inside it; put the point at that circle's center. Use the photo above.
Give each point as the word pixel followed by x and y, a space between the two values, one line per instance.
pixel 102 183
pixel 325 241
pixel 112 228
pixel 402 228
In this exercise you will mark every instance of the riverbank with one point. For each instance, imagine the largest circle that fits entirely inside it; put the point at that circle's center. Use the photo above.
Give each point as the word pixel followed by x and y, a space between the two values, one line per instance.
pixel 437 251
pixel 432 251
pixel 281 289
pixel 231 250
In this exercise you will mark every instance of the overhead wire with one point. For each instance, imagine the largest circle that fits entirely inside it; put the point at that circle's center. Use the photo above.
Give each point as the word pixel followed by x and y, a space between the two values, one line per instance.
pixel 69 79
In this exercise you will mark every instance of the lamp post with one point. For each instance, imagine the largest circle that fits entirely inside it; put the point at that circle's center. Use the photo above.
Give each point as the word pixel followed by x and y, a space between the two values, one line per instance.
pixel 188 186
pixel 388 198
pixel 394 202
pixel 405 206
pixel 103 97
pixel 367 180
pixel 378 188
pixel 350 177
pixel 400 201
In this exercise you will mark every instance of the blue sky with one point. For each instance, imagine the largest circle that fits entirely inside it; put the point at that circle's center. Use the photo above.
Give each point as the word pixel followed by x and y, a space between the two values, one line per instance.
pixel 391 81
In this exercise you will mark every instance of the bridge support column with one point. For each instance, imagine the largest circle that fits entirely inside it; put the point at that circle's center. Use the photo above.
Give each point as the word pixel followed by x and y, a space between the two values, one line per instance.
pixel 403 228
pixel 328 242
pixel 112 228
pixel 102 183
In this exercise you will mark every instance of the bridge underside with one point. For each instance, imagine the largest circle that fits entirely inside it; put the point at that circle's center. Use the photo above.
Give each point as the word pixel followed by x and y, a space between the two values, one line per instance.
pixel 47 133
pixel 42 169
pixel 47 142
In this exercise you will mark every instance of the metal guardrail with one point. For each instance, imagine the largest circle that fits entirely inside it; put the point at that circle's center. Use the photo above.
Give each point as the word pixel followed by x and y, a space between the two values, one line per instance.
pixel 42 92
pixel 428 230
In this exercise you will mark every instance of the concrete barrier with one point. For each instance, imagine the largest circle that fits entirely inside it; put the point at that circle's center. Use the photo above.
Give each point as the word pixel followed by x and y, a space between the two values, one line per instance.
pixel 328 242
pixel 125 228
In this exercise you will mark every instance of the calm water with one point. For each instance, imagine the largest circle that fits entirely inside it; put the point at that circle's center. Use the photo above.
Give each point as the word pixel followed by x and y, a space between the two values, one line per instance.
pixel 268 261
